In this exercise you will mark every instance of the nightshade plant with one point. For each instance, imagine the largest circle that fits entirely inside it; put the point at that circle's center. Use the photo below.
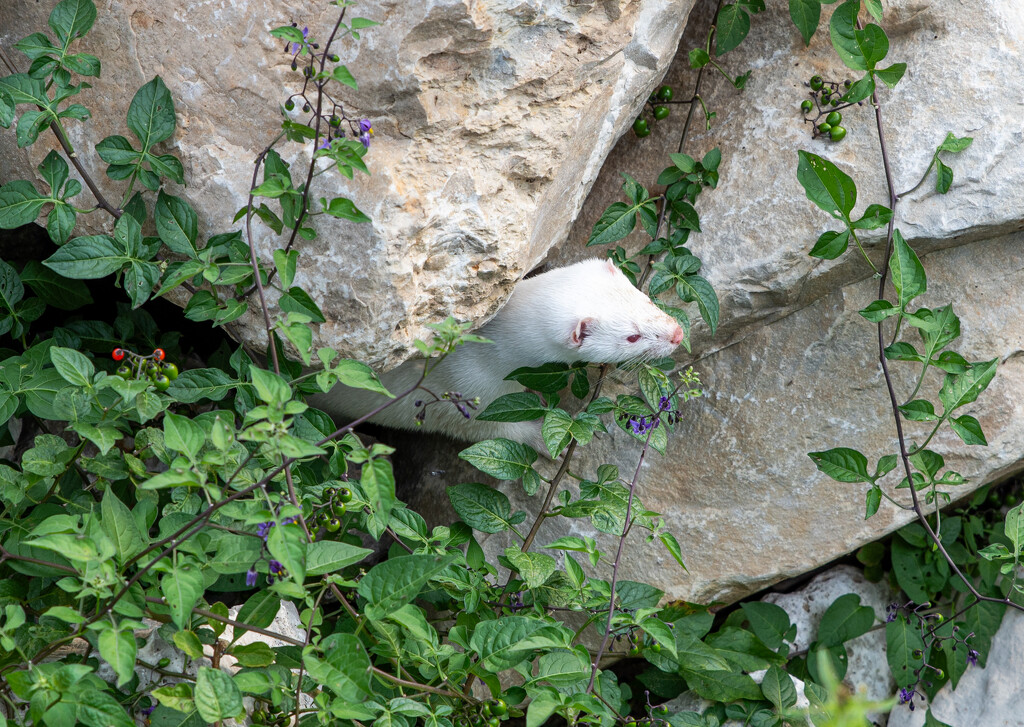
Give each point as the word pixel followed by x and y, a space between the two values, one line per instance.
pixel 138 508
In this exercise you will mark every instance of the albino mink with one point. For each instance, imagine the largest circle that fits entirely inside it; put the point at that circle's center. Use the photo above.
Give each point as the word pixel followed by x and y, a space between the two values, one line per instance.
pixel 583 312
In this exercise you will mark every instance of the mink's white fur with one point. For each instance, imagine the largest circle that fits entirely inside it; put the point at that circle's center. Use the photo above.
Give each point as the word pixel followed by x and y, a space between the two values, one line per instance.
pixel 583 312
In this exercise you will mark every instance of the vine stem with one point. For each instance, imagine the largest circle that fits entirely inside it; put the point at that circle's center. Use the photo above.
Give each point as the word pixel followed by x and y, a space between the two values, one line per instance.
pixel 618 557
pixel 893 401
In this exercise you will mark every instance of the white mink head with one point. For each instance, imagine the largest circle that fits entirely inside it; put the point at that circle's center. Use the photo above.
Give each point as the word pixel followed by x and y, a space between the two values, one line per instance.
pixel 601 317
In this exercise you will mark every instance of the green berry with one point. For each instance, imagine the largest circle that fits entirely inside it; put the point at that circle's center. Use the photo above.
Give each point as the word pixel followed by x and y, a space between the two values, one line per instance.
pixel 289 105
pixel 161 382
pixel 806 106
pixel 824 128
pixel 665 93
pixel 656 647
pixel 169 370
pixel 834 118
pixel 837 133
pixel 640 128
pixel 661 112
pixel 338 509
pixel 124 372
pixel 634 650
pixel 333 525
pixel 344 494
pixel 499 707
pixel 816 83
pixel 834 101
pixel 494 722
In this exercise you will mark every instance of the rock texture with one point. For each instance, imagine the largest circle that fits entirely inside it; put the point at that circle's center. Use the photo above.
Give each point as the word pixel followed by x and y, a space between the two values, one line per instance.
pixel 991 696
pixel 492 120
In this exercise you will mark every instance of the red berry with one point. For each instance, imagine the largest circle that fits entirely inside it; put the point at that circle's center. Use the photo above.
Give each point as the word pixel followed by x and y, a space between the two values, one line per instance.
pixel 118 354
pixel 159 353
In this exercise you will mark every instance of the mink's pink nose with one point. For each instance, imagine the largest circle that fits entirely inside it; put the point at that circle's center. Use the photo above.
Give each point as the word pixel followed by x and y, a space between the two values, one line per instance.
pixel 677 336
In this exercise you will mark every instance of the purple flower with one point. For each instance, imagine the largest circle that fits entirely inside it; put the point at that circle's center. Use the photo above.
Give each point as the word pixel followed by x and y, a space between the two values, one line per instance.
pixel 890 612
pixel 972 657
pixel 250 577
pixel 365 125
pixel 296 47
pixel 146 711
pixel 276 568
pixel 325 144
pixel 366 129
pixel 664 404
pixel 263 529
pixel 907 695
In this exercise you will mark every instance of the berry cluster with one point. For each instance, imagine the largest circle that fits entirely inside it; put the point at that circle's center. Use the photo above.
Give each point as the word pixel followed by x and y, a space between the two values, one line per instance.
pixel 335 504
pixel 826 96
pixel 153 367
pixel 489 714
pixel 657 105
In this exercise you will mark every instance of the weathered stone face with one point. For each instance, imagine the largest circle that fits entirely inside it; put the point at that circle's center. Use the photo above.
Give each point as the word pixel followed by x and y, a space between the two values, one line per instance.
pixel 492 120
pixel 794 368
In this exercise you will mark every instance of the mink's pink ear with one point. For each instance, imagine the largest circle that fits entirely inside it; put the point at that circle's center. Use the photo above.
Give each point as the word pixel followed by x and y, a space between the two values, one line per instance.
pixel 611 265
pixel 581 332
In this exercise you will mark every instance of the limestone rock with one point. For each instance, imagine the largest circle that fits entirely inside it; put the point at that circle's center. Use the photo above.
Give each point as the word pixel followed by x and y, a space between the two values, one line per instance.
pixel 492 120
pixel 991 696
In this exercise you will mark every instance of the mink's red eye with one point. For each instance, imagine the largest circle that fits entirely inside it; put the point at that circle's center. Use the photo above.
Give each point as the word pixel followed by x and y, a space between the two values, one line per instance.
pixel 634 338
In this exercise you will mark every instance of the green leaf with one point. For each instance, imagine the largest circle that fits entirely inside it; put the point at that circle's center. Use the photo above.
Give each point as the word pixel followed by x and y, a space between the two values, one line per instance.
pixel 481 507
pixel 1013 526
pixel 891 76
pixel 73 366
pixel 777 687
pixel 556 431
pixel 359 376
pixel 616 222
pixel 943 177
pixel 660 632
pixel 343 208
pixel 181 589
pixel 968 429
pixel 698 59
pixel 183 435
pixel 500 643
pixel 151 113
pixel 19 204
pixel 535 568
pixel 519 407
pixel 954 144
pixel 721 686
pixel 177 224
pixel 860 90
pixel 842 464
pixel 500 458
pixel 874 217
pixel 217 698
pixel 768 621
pixel 879 311
pixel 908 276
pixel 96 708
pixel 843 29
pixel 378 482
pixel 118 648
pixel 287 543
pixel 919 410
pixel 845 619
pixel 341 74
pixel 960 389
pixel 92 256
pixel 826 185
pixel 345 668
pixel 805 15
pixel 390 585
pixel 330 556
pixel 196 384
pixel 902 641
pixel 695 288
pixel 120 527
pixel 932 721
pixel 732 25
pixel 72 19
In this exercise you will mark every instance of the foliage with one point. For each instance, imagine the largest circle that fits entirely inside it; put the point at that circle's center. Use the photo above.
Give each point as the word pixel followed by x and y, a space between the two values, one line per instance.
pixel 147 498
